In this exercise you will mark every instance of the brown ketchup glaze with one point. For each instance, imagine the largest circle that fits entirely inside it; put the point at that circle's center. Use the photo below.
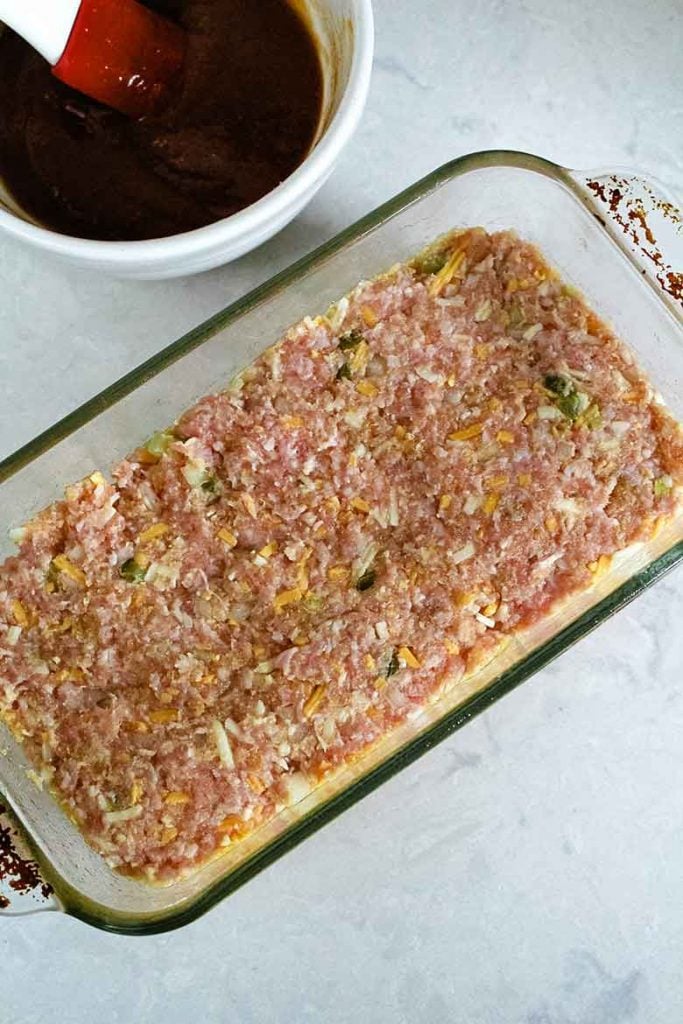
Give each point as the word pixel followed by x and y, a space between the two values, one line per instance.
pixel 243 118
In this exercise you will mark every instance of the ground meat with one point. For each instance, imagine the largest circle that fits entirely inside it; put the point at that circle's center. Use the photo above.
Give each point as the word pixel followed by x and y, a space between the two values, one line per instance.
pixel 305 559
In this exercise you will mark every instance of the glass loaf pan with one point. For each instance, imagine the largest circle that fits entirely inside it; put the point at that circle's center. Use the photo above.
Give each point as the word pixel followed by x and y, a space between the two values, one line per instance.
pixel 611 235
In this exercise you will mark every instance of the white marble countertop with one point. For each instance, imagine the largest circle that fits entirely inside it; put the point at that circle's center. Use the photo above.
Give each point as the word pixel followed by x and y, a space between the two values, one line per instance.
pixel 528 870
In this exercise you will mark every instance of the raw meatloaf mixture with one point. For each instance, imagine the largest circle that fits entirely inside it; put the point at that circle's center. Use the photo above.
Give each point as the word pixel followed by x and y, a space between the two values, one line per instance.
pixel 307 558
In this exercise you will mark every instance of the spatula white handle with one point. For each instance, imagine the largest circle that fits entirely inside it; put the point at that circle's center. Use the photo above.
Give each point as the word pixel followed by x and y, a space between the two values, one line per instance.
pixel 45 24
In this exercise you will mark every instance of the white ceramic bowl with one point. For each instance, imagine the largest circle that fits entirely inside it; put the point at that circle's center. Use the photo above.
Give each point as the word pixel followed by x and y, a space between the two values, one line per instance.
pixel 344 30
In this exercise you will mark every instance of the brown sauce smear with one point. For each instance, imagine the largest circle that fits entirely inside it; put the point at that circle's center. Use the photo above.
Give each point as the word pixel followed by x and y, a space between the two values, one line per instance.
pixel 244 117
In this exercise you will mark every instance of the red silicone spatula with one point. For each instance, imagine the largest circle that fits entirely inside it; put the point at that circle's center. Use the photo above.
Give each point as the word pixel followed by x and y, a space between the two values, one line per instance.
pixel 115 51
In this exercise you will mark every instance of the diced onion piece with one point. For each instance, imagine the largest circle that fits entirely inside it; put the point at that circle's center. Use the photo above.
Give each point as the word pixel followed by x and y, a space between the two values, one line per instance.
pixel 620 427
pixel 472 503
pixel 223 744
pixel 235 730
pixel 382 630
pixel 195 473
pixel 12 635
pixel 548 562
pixel 355 417
pixel 429 375
pixel 366 559
pixel 336 314
pixel 548 412
pixel 463 553
pixel 127 814
pixel 297 787
pixel 569 506
pixel 485 620
pixel 483 312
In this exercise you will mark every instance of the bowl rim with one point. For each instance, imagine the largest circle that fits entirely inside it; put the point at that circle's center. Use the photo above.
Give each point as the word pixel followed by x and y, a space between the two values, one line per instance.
pixel 252 219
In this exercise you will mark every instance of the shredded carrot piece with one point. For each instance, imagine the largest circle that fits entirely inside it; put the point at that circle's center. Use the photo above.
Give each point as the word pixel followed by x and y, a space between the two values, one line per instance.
pixel 497 482
pixel 256 784
pixel 601 565
pixel 234 825
pixel 490 504
pixel 405 654
pixel 163 715
pixel 249 504
pixel 227 537
pixel 314 700
pixel 505 437
pixel 286 597
pixel 63 565
pixel 466 433
pixel 447 273
pixel 19 613
pixel 176 797
pixel 152 532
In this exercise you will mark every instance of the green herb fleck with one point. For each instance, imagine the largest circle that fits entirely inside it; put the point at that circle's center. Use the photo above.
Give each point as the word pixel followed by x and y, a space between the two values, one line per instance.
pixel 393 666
pixel 516 316
pixel 132 572
pixel 366 580
pixel 344 372
pixel 570 405
pixel 160 442
pixel 52 576
pixel 593 417
pixel 211 486
pixel 662 486
pixel 350 340
pixel 569 401
pixel 559 384
pixel 431 262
